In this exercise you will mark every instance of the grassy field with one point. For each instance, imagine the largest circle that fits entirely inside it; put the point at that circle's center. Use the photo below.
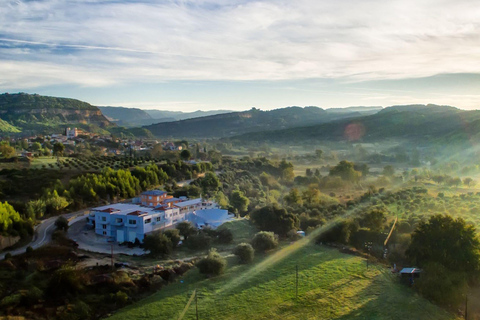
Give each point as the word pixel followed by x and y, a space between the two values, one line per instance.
pixel 332 285
pixel 242 230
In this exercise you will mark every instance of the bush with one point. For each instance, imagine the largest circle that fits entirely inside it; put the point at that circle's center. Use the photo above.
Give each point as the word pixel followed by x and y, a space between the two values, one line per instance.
pixel 225 236
pixel 29 249
pixel 61 223
pixel 158 244
pixel 8 255
pixel 264 241
pixel 212 264
pixel 199 241
pixel 245 252
pixel 173 235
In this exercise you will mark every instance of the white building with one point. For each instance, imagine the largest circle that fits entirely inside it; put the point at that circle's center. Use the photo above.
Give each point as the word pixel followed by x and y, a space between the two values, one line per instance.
pixel 126 222
pixel 71 133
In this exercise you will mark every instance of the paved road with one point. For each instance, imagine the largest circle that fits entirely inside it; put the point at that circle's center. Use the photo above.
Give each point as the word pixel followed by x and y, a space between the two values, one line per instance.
pixel 43 233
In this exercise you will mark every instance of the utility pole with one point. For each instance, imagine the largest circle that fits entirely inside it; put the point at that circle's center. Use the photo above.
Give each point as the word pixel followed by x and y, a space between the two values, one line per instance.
pixel 296 281
pixel 196 303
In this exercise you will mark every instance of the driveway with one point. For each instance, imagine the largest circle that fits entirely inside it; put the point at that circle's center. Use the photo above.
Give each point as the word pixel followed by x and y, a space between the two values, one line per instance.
pixel 89 241
pixel 43 232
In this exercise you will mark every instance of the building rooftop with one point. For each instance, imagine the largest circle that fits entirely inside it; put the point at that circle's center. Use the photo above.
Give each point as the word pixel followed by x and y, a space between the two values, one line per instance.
pixel 410 270
pixel 154 193
pixel 128 209
pixel 189 202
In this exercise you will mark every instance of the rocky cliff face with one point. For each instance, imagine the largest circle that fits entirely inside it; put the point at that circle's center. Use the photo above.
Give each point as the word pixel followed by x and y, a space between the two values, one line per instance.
pixel 30 112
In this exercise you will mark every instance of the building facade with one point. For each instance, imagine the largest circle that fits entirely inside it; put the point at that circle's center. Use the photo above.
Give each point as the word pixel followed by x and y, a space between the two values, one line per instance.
pixel 126 222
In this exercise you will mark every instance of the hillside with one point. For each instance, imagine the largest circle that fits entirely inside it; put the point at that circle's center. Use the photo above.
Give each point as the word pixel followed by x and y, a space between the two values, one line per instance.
pixel 234 123
pixel 32 113
pixel 331 285
pixel 166 116
pixel 127 117
pixel 415 123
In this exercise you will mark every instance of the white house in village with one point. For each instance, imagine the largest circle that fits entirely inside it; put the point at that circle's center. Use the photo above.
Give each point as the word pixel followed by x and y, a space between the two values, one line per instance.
pixel 126 222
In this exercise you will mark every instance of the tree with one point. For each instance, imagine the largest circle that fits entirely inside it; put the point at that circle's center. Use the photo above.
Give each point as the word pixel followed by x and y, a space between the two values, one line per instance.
pixel 446 241
pixel 345 170
pixel 239 201
pixel 374 220
pixel 245 252
pixel 224 236
pixel 210 183
pixel 7 151
pixel 389 171
pixel 185 155
pixel 276 219
pixel 36 146
pixel 264 241
pixel 173 235
pixel 185 229
pixel 158 244
pixel 437 283
pixel 293 197
pixel 363 168
pixel 212 264
pixel 58 149
pixel 468 181
pixel 61 223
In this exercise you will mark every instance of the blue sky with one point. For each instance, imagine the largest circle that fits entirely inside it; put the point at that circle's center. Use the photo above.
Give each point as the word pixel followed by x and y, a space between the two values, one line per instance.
pixel 190 55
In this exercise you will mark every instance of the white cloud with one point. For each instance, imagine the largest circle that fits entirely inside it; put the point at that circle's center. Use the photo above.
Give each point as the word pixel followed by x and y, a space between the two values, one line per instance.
pixel 96 43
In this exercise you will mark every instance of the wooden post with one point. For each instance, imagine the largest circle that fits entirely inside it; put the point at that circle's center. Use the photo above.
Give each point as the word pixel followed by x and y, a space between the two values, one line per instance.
pixel 296 281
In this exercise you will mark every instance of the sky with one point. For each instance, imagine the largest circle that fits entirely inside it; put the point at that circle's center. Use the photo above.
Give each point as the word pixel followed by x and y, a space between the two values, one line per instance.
pixel 238 54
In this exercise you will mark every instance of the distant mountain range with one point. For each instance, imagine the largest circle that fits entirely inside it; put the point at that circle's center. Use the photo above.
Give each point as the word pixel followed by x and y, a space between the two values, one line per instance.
pixel 134 117
pixel 235 123
pixel 25 114
pixel 414 123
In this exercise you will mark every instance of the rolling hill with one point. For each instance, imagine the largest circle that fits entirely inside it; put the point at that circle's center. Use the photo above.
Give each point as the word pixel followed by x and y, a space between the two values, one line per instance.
pixel 414 123
pixel 235 123
pixel 33 113
pixel 127 117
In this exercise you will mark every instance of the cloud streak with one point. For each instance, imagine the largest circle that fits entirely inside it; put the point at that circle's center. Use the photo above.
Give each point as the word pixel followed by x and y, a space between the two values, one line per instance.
pixel 103 43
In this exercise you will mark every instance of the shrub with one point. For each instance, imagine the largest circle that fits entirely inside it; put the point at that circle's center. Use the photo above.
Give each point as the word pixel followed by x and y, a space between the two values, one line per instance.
pixel 225 236
pixel 29 249
pixel 8 255
pixel 158 244
pixel 212 264
pixel 264 241
pixel 198 241
pixel 173 235
pixel 245 252
pixel 293 235
pixel 61 223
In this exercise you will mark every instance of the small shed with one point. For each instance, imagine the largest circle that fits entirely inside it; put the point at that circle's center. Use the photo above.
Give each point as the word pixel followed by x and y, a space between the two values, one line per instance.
pixel 410 274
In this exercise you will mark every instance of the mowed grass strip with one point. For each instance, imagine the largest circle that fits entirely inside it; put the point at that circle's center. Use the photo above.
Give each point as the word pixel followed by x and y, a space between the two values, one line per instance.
pixel 332 285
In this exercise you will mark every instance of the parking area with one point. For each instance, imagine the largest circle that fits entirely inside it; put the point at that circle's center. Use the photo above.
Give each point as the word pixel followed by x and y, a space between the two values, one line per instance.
pixel 89 241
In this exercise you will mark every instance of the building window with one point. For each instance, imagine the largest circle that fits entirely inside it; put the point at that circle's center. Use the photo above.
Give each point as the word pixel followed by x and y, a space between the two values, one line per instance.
pixel 118 220
pixel 132 221
pixel 104 218
pixel 149 197
pixel 104 226
pixel 159 218
pixel 148 220
pixel 104 233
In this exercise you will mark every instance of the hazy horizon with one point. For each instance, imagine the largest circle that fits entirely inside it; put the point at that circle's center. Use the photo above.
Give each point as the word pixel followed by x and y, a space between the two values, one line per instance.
pixel 215 54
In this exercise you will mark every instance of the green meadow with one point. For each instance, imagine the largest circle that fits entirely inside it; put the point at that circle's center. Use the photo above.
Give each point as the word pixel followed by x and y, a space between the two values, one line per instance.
pixel 331 285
